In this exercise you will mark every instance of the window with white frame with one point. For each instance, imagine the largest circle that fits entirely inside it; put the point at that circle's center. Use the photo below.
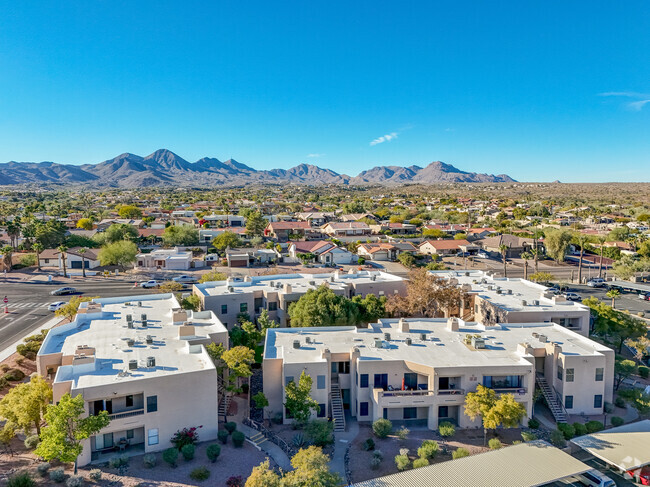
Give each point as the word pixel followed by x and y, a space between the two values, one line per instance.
pixel 152 436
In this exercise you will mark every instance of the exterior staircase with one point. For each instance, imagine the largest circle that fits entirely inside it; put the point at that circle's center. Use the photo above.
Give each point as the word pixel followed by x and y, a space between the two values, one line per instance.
pixel 223 398
pixel 556 407
pixel 258 439
pixel 338 415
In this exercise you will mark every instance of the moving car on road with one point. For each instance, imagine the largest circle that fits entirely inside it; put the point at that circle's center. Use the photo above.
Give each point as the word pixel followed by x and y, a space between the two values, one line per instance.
pixel 645 296
pixel 55 306
pixel 63 290
pixel 185 279
pixel 150 284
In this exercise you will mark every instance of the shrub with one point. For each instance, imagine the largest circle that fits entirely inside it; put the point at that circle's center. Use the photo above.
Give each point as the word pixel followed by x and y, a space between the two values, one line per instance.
pixel 402 462
pixel 119 462
pixel 609 408
pixel 186 436
pixel 238 439
pixel 320 432
pixel 200 473
pixel 188 452
pixel 446 429
pixel 402 433
pixel 21 480
pixel 382 428
pixel 567 430
pixel 3 382
pixel 20 361
pixel 516 442
pixel 31 442
pixel 369 444
pixel 170 455
pixel 43 468
pixel 57 475
pixel 420 462
pixel 235 481
pixel 644 371
pixel 495 444
pixel 527 436
pixel 378 454
pixel 620 402
pixel 149 460
pixel 428 450
pixel 95 475
pixel 533 424
pixel 298 440
pixel 557 439
pixel 14 375
pixel 460 453
pixel 223 436
pixel 277 418
pixel 231 427
pixel 580 429
pixel 375 462
pixel 74 481
pixel 617 421
pixel 4 368
pixel 594 426
pixel 213 451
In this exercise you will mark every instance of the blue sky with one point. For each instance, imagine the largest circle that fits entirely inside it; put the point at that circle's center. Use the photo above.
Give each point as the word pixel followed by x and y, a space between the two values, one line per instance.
pixel 537 90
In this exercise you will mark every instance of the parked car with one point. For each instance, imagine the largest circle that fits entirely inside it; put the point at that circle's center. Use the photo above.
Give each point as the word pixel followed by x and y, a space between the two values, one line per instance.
pixel 63 290
pixel 55 306
pixel 596 282
pixel 150 284
pixel 185 279
pixel 482 255
pixel 594 478
pixel 645 296
pixel 572 296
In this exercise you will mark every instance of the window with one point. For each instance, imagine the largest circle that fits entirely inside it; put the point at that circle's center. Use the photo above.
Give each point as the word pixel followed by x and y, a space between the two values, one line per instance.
pixel 599 374
pixel 152 436
pixel 559 372
pixel 320 382
pixel 598 401
pixel 499 381
pixel 410 413
pixel 129 434
pixel 129 401
pixel 243 307
pixel 410 381
pixel 363 409
pixel 321 410
pixel 364 380
pixel 224 309
pixel 568 402
pixel 288 379
pixel 381 381
pixel 569 375
pixel 152 404
pixel 273 306
pixel 443 412
pixel 344 367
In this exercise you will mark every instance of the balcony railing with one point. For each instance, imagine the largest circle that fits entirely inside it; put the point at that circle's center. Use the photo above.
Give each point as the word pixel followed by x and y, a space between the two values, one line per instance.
pixel 126 414
pixel 510 390
pixel 406 393
pixel 451 392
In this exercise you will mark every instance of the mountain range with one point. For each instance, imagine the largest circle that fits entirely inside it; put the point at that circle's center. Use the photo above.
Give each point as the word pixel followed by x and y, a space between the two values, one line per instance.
pixel 164 168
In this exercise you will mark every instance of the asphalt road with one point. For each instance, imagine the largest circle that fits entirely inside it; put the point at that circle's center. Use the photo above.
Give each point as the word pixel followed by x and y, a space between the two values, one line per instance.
pixel 28 303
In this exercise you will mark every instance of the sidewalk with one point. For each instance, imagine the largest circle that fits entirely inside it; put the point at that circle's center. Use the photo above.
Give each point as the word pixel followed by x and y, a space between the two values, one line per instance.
pixel 270 448
pixel 11 349
pixel 341 442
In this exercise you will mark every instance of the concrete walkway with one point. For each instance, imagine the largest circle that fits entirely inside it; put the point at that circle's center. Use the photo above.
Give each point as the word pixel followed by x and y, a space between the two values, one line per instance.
pixel 270 448
pixel 341 442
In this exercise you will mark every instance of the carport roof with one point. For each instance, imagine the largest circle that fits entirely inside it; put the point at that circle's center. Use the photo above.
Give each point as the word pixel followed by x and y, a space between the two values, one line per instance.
pixel 627 447
pixel 524 465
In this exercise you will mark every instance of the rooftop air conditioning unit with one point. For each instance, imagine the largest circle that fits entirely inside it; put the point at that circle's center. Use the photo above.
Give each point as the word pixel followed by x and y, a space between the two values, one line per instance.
pixel 149 340
pixel 387 337
pixel 133 364
pixel 535 302
pixel 509 291
pixel 373 278
pixel 151 361
pixel 498 290
pixel 466 274
pixel 308 340
pixel 296 344
pixel 129 324
pixel 130 342
pixel 524 302
pixel 478 343
pixel 378 343
pixel 423 337
pixel 143 317
pixel 139 304
pixel 129 318
pixel 408 341
pixel 230 289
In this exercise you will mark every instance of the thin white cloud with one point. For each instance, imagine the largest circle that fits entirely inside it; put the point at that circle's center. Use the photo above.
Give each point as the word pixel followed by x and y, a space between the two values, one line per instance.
pixel 642 98
pixel 384 138
pixel 315 155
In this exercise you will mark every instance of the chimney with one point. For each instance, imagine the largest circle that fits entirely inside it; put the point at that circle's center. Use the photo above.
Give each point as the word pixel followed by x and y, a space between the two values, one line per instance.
pixel 403 325
pixel 452 324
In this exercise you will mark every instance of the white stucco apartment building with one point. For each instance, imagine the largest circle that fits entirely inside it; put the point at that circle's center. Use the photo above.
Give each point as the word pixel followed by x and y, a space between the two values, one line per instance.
pixel 165 259
pixel 505 300
pixel 421 369
pixel 135 357
pixel 276 292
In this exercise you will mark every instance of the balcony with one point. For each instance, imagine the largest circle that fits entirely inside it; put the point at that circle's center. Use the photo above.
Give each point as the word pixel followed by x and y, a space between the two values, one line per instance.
pixel 399 398
pixel 511 390
pixel 126 414
pixel 451 392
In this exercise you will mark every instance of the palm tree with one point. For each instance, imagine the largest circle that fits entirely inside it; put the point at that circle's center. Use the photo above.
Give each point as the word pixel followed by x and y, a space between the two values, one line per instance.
pixel 536 253
pixel 504 251
pixel 613 294
pixel 580 239
pixel 38 248
pixel 7 252
pixel 601 241
pixel 81 252
pixel 526 256
pixel 63 249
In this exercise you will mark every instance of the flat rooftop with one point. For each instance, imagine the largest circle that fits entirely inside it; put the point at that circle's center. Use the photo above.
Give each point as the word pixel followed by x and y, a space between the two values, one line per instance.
pixel 510 293
pixel 107 332
pixel 441 348
pixel 300 283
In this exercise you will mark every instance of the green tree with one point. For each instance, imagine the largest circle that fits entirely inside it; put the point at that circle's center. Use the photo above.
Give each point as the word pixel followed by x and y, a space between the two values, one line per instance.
pixel 129 211
pixel 225 240
pixel 62 250
pixel 615 326
pixel 7 255
pixel 85 224
pixel 66 429
pixel 263 476
pixel 310 468
pixel 25 404
pixel 250 335
pixel 213 276
pixel 180 235
pixel 299 402
pixel 82 251
pixel 494 411
pixel 542 277
pixel 322 307
pixel 613 294
pixel 623 369
pixel 38 248
pixel 255 224
pixel 238 361
pixel 70 309
pixel 192 302
pixel 556 243
pixel 116 233
pixel 406 259
pixel 170 287
pixel 371 307
pixel 121 253
pixel 50 234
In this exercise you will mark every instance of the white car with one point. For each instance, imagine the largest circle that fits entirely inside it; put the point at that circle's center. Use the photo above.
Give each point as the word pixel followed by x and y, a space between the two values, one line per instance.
pixel 55 306
pixel 597 282
pixel 482 255
pixel 150 284
pixel 594 478
pixel 184 279
pixel 572 296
